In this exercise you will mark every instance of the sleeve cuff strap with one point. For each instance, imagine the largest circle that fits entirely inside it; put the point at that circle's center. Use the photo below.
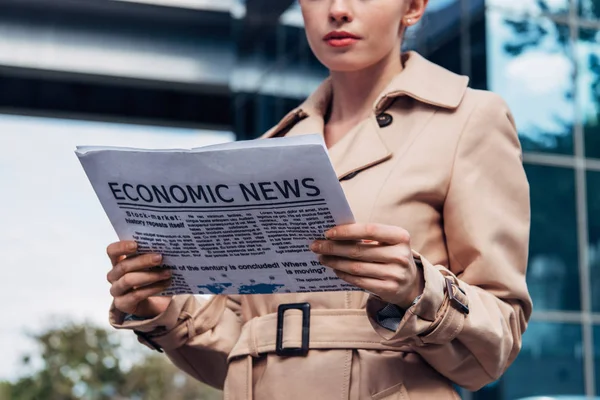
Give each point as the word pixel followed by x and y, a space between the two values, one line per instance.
pixel 432 319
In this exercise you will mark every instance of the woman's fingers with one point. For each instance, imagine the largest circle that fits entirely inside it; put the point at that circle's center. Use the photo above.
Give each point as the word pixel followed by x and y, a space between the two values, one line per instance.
pixel 129 302
pixel 359 268
pixel 395 254
pixel 133 264
pixel 134 280
pixel 387 234
pixel 116 251
pixel 375 257
pixel 371 285
pixel 132 283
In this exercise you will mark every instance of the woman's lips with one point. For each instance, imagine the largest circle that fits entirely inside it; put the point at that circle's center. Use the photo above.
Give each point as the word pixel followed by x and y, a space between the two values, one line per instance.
pixel 341 42
pixel 340 39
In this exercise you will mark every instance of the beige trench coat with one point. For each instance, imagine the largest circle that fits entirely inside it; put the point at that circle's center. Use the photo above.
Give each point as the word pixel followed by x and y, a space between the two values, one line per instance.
pixel 438 159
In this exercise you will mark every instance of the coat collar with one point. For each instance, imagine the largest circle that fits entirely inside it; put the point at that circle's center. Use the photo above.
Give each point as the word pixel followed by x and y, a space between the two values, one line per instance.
pixel 426 82
pixel 420 79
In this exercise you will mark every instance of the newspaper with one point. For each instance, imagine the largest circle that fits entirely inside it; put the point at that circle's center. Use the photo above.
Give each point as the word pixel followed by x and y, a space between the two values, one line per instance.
pixel 235 218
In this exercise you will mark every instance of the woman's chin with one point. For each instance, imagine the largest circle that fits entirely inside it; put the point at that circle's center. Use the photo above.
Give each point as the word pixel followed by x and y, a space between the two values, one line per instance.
pixel 343 63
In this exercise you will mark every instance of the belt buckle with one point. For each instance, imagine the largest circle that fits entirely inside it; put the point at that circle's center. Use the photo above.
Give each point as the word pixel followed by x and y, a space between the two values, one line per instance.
pixel 293 351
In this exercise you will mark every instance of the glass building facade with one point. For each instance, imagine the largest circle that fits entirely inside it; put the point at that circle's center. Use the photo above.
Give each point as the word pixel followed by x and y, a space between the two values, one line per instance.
pixel 543 57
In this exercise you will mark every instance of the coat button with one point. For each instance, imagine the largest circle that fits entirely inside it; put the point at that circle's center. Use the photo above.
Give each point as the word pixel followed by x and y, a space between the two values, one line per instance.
pixel 384 120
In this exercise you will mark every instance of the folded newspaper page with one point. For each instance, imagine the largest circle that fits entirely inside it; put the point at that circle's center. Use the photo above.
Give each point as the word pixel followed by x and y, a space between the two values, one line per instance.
pixel 236 218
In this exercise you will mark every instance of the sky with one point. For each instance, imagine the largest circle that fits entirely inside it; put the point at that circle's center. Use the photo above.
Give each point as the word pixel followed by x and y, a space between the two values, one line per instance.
pixel 54 233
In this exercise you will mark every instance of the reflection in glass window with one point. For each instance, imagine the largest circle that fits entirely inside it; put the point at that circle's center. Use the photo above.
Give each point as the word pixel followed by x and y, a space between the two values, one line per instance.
pixel 530 67
pixel 553 273
pixel 588 88
pixel 531 7
pixel 593 199
pixel 589 9
pixel 550 362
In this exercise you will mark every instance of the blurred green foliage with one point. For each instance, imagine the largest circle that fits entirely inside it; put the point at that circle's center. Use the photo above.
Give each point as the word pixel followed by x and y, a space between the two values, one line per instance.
pixel 80 361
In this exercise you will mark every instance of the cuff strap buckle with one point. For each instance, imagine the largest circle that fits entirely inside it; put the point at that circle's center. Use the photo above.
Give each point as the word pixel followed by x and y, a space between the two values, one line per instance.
pixel 453 299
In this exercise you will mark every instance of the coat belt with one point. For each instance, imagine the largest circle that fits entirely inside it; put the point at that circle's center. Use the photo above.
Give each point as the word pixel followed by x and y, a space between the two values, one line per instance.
pixel 329 329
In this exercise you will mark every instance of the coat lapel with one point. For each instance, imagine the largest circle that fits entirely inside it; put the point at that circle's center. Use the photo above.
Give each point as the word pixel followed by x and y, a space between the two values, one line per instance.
pixel 364 145
pixel 361 148
pixel 425 82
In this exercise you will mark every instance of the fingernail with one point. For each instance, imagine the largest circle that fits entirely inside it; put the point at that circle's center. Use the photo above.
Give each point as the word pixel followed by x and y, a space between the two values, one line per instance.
pixel 330 233
pixel 166 273
pixel 315 246
pixel 131 246
pixel 156 257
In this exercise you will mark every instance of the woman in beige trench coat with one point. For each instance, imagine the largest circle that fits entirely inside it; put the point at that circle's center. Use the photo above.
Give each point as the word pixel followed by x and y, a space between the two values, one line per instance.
pixel 432 171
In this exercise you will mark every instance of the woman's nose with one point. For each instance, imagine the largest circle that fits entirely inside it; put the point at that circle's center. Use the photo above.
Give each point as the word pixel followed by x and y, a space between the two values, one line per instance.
pixel 340 11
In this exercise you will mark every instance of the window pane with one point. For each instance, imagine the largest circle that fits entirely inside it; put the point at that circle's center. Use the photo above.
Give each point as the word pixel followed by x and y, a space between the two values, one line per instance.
pixel 531 7
pixel 593 203
pixel 553 273
pixel 530 66
pixel 588 88
pixel 550 362
pixel 589 9
pixel 597 358
pixel 478 73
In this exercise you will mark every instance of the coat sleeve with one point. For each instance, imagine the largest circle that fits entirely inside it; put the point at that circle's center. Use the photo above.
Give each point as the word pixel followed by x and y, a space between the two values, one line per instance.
pixel 196 334
pixel 486 221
